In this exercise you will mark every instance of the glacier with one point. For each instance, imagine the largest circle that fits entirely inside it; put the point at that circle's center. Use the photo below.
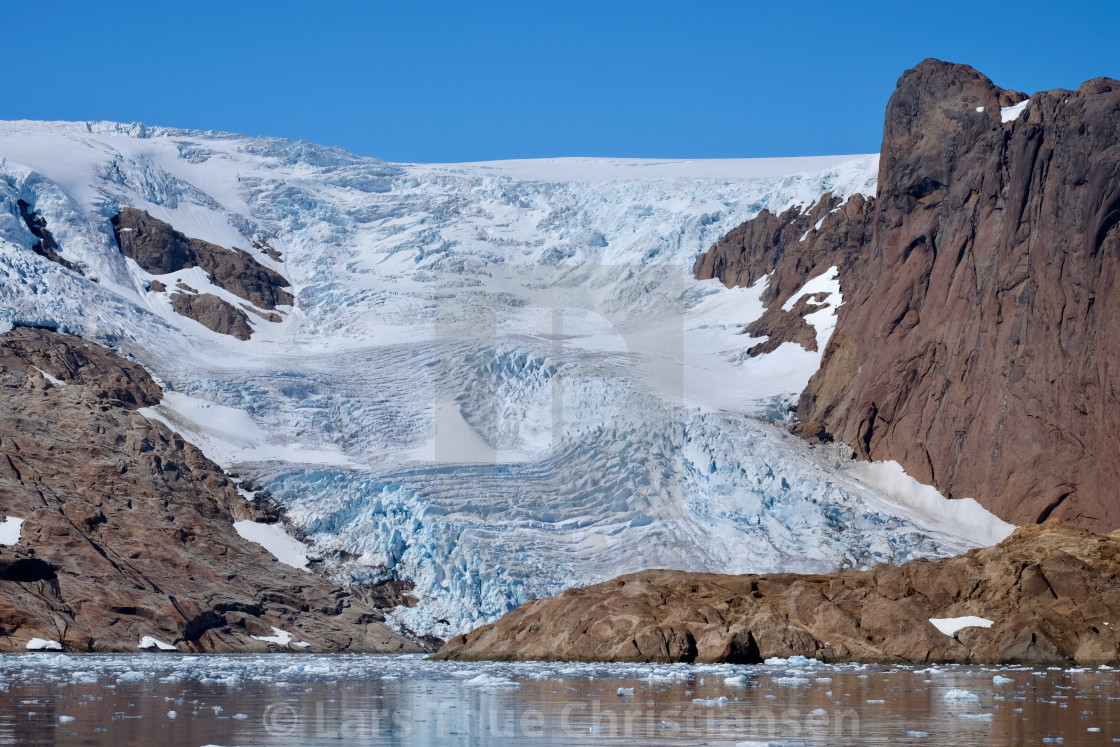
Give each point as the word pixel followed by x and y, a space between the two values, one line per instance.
pixel 499 380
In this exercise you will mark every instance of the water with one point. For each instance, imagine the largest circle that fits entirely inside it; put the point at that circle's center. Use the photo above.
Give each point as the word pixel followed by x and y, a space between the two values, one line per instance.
pixel 404 700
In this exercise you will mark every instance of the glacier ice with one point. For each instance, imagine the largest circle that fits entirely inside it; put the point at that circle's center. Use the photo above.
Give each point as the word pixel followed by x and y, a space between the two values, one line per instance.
pixel 498 380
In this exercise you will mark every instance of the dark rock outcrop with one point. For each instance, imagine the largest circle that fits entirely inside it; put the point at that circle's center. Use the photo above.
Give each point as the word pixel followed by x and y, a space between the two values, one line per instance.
pixel 213 313
pixel 261 245
pixel 159 248
pixel 791 248
pixel 975 345
pixel 128 529
pixel 1052 592
pixel 46 246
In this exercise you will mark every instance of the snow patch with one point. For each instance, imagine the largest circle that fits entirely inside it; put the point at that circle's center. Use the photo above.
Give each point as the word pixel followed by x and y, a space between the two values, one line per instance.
pixel 275 539
pixel 950 626
pixel 281 638
pixel 40 644
pixel 827 282
pixel 229 435
pixel 48 377
pixel 148 642
pixel 1011 113
pixel 963 517
pixel 10 530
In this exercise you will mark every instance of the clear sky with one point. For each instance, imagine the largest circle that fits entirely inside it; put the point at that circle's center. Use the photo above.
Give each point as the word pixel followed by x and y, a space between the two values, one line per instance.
pixel 461 81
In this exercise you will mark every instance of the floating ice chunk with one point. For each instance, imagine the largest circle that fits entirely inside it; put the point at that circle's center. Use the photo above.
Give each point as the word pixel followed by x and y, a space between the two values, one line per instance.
pixel 793 661
pixel 275 539
pixel 1011 113
pixel 132 676
pixel 39 644
pixel 239 716
pixel 148 642
pixel 9 530
pixel 960 696
pixel 738 680
pixel 486 680
pixel 916 733
pixel 818 712
pixel 876 701
pixel 950 626
pixel 720 701
pixel 977 716
pixel 625 691
pixel 172 714
pixel 65 719
pixel 1001 680
pixel 980 109
pixel 790 681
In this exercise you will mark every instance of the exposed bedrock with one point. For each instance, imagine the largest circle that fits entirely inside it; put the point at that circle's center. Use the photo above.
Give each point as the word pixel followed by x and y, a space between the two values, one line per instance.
pixel 976 344
pixel 1049 591
pixel 128 529
pixel 213 313
pixel 158 248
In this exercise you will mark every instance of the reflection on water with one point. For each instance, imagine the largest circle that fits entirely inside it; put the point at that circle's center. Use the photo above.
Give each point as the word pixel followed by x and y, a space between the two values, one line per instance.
pixel 403 700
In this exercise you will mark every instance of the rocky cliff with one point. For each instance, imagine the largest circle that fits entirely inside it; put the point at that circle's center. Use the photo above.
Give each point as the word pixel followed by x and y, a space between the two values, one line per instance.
pixel 1050 593
pixel 127 530
pixel 975 345
pixel 160 249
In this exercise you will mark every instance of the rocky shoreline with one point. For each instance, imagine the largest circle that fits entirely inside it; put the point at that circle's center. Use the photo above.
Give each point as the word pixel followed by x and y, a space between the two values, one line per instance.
pixel 1049 594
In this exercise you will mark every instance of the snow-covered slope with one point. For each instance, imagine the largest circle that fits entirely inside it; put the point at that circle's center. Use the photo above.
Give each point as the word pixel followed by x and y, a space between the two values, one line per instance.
pixel 498 380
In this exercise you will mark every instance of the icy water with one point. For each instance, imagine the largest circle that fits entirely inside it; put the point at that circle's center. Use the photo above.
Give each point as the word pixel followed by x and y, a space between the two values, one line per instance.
pixel 404 700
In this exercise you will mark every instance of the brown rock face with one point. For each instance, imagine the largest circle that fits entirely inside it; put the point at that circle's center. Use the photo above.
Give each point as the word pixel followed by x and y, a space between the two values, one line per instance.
pixel 128 530
pixel 1050 590
pixel 789 247
pixel 159 248
pixel 975 345
pixel 213 313
pixel 791 250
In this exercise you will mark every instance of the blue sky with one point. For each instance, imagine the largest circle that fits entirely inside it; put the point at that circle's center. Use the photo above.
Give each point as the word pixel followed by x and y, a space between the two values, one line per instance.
pixel 457 81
